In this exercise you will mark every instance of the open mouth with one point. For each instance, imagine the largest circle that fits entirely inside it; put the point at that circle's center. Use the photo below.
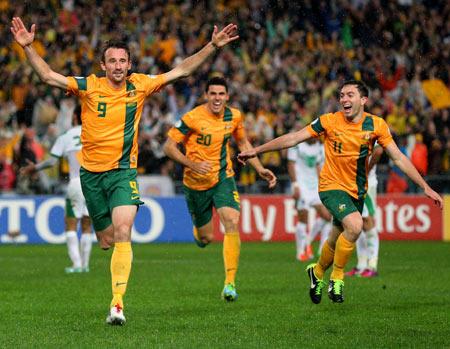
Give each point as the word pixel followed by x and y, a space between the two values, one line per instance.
pixel 347 107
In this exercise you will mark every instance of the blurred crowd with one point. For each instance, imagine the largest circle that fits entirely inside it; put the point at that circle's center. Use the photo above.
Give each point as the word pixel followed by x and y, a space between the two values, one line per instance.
pixel 282 72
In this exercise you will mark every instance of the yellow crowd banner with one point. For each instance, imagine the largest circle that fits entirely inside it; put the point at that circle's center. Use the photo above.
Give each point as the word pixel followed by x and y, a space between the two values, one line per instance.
pixel 446 213
pixel 437 93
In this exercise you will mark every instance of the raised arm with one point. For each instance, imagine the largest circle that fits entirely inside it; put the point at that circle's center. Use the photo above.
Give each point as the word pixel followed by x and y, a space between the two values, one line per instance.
pixel 286 141
pixel 190 64
pixel 25 39
pixel 408 168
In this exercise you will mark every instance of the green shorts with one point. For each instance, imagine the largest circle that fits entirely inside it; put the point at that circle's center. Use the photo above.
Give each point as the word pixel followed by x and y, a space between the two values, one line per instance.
pixel 201 202
pixel 340 204
pixel 105 190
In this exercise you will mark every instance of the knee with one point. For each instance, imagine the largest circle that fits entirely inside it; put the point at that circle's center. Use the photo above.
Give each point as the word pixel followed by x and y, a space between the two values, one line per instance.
pixel 231 223
pixel 353 228
pixel 122 232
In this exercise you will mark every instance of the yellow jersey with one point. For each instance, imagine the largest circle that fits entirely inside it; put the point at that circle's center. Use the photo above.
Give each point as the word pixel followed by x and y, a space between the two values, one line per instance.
pixel 348 147
pixel 206 137
pixel 110 117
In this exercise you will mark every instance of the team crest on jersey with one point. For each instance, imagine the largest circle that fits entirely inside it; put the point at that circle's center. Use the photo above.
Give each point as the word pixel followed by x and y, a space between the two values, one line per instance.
pixel 341 207
pixel 132 93
pixel 367 135
pixel 133 159
pixel 228 127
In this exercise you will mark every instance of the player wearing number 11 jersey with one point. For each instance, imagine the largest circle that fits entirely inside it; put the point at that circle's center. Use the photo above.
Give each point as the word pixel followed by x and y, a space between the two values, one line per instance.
pixel 349 138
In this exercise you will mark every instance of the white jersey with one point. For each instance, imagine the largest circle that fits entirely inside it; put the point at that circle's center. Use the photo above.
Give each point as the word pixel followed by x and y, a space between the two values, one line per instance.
pixel 69 145
pixel 307 157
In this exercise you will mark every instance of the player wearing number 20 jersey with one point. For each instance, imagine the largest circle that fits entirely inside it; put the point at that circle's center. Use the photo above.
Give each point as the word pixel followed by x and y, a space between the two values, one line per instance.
pixel 206 137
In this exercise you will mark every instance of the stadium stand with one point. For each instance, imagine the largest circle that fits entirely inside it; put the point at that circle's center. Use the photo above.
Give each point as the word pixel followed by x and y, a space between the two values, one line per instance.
pixel 283 71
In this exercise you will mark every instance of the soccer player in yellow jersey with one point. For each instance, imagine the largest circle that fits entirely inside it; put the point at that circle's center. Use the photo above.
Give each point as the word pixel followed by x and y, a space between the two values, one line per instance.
pixel 208 176
pixel 111 110
pixel 349 136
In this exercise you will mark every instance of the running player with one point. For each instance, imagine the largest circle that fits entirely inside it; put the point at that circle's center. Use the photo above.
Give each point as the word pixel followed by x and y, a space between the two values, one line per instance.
pixel 349 135
pixel 304 163
pixel 69 145
pixel 111 110
pixel 208 175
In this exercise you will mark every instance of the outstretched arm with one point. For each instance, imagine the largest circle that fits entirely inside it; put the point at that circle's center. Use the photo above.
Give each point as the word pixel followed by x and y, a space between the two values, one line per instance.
pixel 408 168
pixel 286 141
pixel 263 172
pixel 25 39
pixel 190 64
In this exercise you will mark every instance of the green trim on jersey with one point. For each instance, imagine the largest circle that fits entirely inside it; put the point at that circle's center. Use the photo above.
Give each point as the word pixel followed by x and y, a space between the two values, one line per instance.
pixel 317 126
pixel 227 115
pixel 82 84
pixel 361 176
pixel 128 135
pixel 183 128
pixel 128 131
pixel 223 158
pixel 368 124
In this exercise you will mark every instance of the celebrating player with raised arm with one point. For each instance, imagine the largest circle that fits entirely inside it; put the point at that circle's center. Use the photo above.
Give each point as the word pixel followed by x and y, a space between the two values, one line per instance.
pixel 349 136
pixel 111 111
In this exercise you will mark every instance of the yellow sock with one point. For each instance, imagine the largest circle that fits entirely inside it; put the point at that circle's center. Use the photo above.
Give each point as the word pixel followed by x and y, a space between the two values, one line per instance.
pixel 325 260
pixel 120 271
pixel 344 249
pixel 231 251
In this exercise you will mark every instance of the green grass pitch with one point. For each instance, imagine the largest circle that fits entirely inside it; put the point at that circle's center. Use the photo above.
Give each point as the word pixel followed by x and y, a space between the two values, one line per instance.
pixel 173 300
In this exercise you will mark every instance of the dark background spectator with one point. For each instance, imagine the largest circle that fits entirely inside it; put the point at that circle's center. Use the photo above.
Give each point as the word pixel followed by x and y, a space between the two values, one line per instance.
pixel 284 70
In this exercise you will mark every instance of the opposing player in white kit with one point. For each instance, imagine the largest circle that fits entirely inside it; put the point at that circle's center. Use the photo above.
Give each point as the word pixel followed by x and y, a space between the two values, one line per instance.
pixel 368 243
pixel 69 145
pixel 304 163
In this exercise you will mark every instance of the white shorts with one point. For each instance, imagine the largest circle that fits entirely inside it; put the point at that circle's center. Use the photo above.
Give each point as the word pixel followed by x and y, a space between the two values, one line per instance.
pixel 308 198
pixel 371 195
pixel 75 202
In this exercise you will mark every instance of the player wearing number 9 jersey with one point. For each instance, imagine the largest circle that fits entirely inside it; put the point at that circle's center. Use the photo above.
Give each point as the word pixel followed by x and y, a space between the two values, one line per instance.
pixel 208 177
pixel 110 119
pixel 111 110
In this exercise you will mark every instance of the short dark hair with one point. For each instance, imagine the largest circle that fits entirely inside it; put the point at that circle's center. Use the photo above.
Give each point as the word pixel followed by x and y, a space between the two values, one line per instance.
pixel 217 80
pixel 361 86
pixel 115 44
pixel 77 113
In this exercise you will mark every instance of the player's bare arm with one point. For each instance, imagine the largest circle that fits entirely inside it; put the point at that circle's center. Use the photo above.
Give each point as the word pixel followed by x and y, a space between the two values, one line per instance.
pixel 408 168
pixel 286 141
pixel 293 178
pixel 190 64
pixel 375 158
pixel 266 174
pixel 172 151
pixel 25 39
